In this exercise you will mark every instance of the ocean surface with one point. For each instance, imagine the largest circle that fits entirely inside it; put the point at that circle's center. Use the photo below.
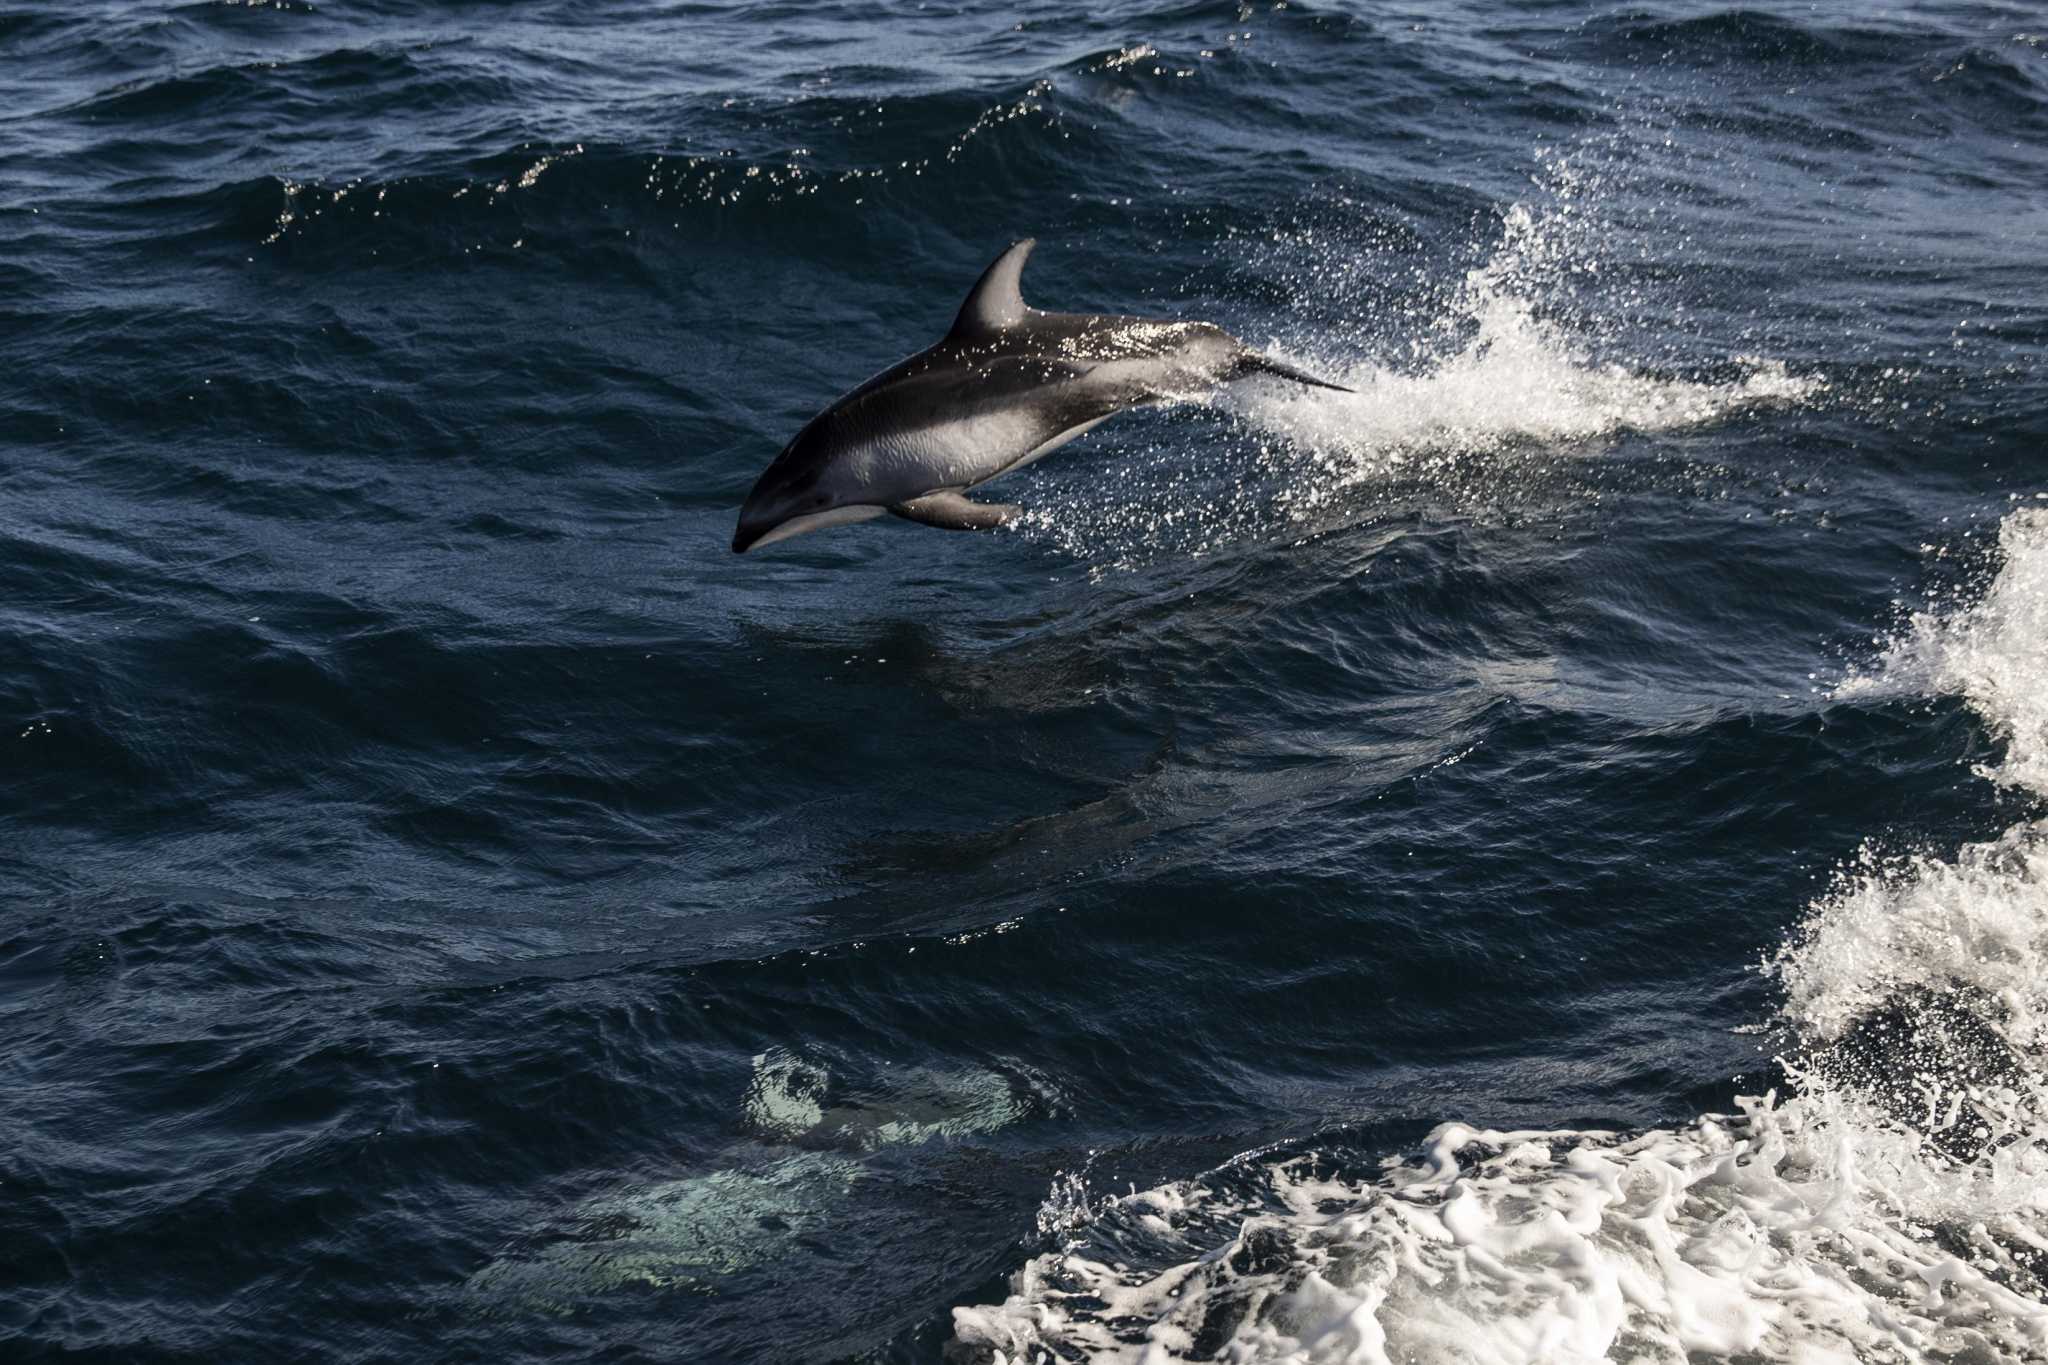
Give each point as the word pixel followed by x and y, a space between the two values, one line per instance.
pixel 1542 859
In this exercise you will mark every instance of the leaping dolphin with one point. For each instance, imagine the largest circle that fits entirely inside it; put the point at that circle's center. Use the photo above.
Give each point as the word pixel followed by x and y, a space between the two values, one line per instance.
pixel 1006 385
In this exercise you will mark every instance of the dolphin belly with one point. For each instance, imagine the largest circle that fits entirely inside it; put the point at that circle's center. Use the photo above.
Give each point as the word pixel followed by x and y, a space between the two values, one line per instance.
pixel 1044 448
pixel 965 451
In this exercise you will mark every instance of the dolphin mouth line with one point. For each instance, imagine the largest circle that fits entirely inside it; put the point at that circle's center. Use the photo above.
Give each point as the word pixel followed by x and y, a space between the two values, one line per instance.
pixel 746 538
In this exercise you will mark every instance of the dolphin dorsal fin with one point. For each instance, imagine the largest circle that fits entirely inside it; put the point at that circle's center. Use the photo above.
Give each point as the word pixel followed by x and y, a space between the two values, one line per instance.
pixel 996 303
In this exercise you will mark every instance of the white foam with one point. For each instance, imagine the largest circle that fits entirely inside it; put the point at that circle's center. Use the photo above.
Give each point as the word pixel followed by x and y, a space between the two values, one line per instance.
pixel 1739 1237
pixel 1990 651
pixel 1894 1207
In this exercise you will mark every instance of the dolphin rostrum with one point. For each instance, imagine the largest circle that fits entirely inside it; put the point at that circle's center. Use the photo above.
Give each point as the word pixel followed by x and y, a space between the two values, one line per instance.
pixel 1006 385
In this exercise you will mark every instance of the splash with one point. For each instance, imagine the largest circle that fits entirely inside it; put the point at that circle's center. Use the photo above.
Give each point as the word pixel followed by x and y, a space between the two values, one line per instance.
pixel 1893 1206
pixel 1488 391
pixel 1515 378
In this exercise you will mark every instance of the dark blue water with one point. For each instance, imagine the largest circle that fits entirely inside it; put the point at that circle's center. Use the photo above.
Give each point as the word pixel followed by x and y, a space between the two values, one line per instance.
pixel 453 908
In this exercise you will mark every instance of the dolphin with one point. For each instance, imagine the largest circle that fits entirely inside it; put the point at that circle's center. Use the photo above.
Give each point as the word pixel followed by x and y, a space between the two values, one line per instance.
pixel 1006 385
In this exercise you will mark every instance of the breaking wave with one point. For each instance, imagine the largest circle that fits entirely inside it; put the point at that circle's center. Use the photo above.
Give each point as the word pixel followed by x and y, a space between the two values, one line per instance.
pixel 1889 1203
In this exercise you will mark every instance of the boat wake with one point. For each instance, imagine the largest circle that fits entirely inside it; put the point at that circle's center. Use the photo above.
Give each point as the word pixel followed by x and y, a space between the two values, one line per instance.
pixel 1890 1203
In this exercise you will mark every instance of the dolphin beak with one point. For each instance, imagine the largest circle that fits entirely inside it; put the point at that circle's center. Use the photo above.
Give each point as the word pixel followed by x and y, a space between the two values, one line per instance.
pixel 753 524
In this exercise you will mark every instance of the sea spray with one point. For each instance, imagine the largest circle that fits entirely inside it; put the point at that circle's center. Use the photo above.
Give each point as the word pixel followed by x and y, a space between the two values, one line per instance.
pixel 1490 393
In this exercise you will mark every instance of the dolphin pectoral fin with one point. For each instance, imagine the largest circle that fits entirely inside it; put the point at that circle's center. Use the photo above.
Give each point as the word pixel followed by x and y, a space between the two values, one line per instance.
pixel 952 512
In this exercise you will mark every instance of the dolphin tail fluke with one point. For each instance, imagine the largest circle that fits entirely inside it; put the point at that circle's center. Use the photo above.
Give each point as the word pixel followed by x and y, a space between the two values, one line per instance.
pixel 1251 362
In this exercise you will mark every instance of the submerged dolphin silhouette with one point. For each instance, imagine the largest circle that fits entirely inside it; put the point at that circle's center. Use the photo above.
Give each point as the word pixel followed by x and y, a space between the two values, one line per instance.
pixel 1006 385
